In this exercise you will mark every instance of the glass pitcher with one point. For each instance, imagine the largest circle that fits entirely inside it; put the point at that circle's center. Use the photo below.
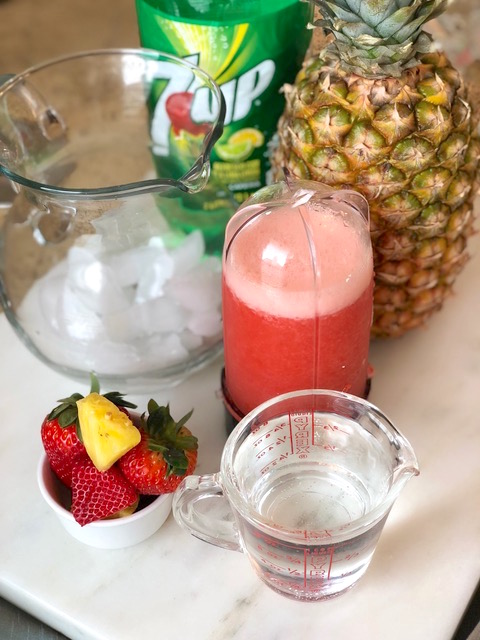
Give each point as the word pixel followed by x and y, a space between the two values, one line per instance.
pixel 96 272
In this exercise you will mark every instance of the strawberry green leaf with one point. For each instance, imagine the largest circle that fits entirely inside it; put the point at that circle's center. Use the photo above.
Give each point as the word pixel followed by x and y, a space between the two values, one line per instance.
pixel 68 416
pixel 187 443
pixel 118 399
pixel 183 420
pixel 177 462
pixel 164 436
pixel 67 404
pixel 153 445
pixel 160 423
pixel 152 406
pixel 71 399
pixel 94 383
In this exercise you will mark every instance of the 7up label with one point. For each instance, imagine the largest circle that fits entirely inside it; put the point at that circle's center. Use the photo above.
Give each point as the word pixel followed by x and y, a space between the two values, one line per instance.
pixel 238 51
pixel 183 106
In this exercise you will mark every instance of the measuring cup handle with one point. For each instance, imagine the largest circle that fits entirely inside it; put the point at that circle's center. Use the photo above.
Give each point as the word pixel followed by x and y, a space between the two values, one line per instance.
pixel 200 507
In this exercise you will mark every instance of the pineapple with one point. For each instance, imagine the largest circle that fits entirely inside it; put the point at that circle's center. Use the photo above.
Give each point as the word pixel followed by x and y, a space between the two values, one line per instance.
pixel 380 110
pixel 107 432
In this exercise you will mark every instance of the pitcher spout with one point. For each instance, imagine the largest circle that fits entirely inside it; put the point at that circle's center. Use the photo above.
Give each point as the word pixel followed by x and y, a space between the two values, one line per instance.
pixel 196 179
pixel 408 467
pixel 405 473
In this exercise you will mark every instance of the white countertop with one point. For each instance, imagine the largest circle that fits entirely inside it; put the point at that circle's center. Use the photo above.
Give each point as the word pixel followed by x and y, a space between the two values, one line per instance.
pixel 177 587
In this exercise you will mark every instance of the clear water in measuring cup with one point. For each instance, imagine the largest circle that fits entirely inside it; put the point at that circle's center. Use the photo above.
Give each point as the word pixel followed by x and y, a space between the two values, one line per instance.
pixel 313 476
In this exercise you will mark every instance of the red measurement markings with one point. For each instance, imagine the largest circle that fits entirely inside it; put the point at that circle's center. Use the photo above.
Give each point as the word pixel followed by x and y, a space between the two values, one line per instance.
pixel 321 427
pixel 300 433
pixel 317 564
pixel 334 427
pixel 274 462
pixel 291 431
pixel 330 563
pixel 293 559
pixel 316 535
pixel 267 441
pixel 305 556
pixel 272 565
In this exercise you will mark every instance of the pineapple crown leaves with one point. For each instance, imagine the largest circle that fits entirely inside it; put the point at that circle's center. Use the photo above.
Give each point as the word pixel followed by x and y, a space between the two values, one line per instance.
pixel 66 413
pixel 164 436
pixel 378 37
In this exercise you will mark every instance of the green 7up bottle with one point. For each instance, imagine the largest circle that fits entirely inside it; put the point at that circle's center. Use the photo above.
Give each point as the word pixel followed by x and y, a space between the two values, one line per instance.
pixel 250 48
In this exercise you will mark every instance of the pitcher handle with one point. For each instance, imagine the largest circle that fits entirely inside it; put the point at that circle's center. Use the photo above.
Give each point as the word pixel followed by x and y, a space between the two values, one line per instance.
pixel 201 508
pixel 46 117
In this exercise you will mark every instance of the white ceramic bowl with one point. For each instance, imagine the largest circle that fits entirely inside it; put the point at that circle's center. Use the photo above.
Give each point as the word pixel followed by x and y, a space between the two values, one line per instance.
pixel 104 534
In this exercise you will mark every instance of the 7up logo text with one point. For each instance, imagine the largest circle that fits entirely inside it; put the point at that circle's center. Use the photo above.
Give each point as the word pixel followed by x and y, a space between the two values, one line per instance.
pixel 188 106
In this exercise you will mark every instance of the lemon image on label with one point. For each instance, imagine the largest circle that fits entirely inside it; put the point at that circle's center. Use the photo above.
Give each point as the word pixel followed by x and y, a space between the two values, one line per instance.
pixel 256 137
pixel 234 152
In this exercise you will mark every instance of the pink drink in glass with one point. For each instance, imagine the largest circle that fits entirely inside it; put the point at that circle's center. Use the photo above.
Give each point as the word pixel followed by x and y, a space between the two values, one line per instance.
pixel 297 303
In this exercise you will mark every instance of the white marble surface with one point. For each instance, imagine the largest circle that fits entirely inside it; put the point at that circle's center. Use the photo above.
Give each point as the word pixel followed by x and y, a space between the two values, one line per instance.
pixel 174 586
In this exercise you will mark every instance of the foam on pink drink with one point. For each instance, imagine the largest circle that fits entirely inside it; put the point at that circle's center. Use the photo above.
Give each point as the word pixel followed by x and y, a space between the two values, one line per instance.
pixel 297 303
pixel 283 284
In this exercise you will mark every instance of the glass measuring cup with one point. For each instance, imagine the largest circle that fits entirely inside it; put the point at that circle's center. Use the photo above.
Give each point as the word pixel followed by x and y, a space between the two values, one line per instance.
pixel 96 271
pixel 306 483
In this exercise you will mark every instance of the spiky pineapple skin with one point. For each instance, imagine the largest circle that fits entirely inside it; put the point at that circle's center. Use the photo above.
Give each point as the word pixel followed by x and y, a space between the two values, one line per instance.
pixel 407 145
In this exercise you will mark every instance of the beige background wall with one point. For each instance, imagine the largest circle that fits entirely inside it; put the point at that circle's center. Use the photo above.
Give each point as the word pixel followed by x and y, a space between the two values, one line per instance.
pixel 32 31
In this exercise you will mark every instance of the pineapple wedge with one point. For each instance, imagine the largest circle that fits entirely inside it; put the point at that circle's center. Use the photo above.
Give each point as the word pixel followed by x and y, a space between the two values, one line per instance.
pixel 107 432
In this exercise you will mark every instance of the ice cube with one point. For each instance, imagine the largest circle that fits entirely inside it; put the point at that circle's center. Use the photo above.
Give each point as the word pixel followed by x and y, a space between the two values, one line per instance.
pixel 122 326
pixel 109 356
pixel 166 349
pixel 90 242
pixel 188 254
pixel 161 315
pixel 49 290
pixel 76 319
pixel 129 265
pixel 200 288
pixel 191 341
pixel 152 281
pixel 94 283
pixel 206 323
pixel 133 222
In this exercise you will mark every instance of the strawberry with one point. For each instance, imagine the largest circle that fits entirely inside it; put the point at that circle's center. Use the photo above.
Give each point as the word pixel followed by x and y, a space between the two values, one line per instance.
pixel 61 436
pixel 99 494
pixel 166 453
